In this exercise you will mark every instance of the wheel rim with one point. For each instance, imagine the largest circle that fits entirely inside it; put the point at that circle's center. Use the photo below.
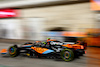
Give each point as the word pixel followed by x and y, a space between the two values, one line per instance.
pixel 66 55
pixel 12 50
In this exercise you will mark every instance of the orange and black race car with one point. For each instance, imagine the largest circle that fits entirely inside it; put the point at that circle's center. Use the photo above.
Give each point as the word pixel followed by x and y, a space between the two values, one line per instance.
pixel 49 49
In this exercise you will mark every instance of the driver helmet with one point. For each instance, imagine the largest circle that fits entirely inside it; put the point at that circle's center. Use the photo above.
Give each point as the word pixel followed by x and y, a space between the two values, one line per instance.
pixel 48 38
pixel 44 42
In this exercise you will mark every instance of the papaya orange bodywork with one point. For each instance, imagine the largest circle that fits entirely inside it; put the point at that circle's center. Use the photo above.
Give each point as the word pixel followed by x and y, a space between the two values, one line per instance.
pixel 68 45
pixel 75 46
pixel 3 51
pixel 39 49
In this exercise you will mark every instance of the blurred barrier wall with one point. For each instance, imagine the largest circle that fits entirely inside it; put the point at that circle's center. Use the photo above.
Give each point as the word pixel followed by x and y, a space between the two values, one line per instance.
pixel 34 28
pixel 93 37
pixel 76 17
pixel 10 29
pixel 35 21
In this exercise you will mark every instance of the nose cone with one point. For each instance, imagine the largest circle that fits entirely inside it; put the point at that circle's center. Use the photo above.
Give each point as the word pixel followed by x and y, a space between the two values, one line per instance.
pixel 3 51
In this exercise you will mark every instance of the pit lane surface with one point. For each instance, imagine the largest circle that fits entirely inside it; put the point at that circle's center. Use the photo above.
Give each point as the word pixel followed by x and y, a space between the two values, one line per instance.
pixel 21 61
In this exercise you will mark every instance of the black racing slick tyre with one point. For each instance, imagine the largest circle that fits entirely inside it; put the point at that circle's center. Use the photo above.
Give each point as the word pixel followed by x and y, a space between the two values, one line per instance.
pixel 67 55
pixel 13 51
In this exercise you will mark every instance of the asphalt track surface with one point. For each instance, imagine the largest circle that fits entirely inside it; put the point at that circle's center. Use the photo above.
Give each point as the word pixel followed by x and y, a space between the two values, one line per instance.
pixel 22 61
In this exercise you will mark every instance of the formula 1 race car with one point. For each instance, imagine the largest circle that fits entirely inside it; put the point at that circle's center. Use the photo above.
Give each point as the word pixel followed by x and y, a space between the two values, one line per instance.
pixel 50 48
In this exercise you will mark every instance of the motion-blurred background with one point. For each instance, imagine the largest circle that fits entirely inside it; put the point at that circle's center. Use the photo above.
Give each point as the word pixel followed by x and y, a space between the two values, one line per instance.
pixel 64 20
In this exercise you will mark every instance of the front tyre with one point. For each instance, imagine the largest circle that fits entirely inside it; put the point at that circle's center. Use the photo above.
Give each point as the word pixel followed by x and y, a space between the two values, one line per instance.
pixel 67 55
pixel 13 51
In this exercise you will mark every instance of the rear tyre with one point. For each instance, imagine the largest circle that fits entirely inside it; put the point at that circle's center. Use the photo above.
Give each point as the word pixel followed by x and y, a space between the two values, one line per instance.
pixel 67 55
pixel 13 51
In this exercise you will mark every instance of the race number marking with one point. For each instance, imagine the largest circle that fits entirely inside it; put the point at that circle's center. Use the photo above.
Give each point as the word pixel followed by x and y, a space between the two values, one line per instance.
pixel 39 49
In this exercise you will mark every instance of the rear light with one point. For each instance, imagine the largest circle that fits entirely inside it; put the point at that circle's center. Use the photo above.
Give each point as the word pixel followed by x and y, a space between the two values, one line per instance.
pixel 85 52
pixel 82 47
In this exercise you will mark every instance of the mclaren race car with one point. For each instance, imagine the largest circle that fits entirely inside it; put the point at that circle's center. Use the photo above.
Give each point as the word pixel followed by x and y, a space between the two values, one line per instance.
pixel 49 49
